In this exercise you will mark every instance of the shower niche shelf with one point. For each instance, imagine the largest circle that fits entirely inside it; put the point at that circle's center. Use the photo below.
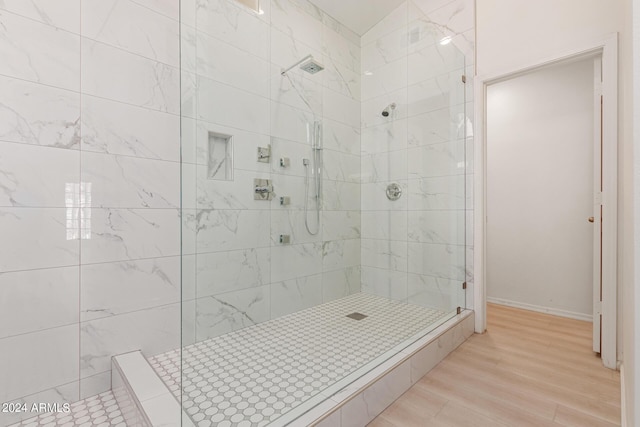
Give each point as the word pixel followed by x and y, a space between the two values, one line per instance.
pixel 220 157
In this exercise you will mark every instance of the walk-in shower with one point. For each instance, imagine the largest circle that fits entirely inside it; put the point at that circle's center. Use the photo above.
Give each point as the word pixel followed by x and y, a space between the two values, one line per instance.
pixel 265 239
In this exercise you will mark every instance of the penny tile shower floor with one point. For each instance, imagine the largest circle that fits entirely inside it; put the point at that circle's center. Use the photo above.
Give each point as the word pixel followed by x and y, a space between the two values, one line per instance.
pixel 253 376
pixel 96 411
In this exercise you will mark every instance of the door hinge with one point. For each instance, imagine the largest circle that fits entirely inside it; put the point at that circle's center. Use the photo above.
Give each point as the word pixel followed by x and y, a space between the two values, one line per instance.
pixel 464 78
pixel 464 285
pixel 458 310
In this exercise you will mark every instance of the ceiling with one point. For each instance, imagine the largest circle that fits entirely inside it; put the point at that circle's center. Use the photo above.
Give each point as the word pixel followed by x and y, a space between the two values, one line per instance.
pixel 359 16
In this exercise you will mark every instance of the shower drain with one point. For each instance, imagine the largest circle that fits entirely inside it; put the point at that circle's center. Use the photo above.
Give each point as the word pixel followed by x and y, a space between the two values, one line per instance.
pixel 356 316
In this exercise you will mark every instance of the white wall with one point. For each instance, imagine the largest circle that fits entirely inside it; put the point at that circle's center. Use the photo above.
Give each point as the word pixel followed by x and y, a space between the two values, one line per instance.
pixel 512 33
pixel 540 190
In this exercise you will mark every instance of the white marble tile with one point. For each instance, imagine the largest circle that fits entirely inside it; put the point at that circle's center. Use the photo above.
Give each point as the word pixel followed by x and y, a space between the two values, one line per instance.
pixel 384 167
pixel 291 261
pixel 442 159
pixel 235 25
pixel 394 20
pixel 294 188
pixel 117 128
pixel 436 93
pixel 374 197
pixel 441 226
pixel 340 283
pixel 187 12
pixel 129 182
pixel 340 49
pixel 110 289
pixel 188 186
pixel 434 60
pixel 435 292
pixel 35 176
pixel 44 360
pixel 38 299
pixel 152 331
pixel 64 14
pixel 385 283
pixel 188 141
pixel 229 194
pixel 340 225
pixel 221 272
pixel 341 79
pixel 341 108
pixel 384 50
pixel 389 254
pixel 232 229
pixel 147 83
pixel 140 375
pixel 125 234
pixel 291 19
pixel 290 123
pixel 371 112
pixel 390 136
pixel 291 222
pixel 446 192
pixel 132 27
pixel 340 196
pixel 340 166
pixel 228 106
pixel 188 48
pixel 39 239
pixel 188 94
pixel 65 393
pixel 188 320
pixel 38 52
pixel 95 384
pixel 385 225
pixel 164 411
pixel 296 294
pixel 220 314
pixel 169 8
pixel 227 64
pixel 37 114
pixel 385 79
pixel 445 124
pixel 339 137
pixel 366 406
pixel 338 254
pixel 454 17
pixel 286 50
pixel 446 261
pixel 189 230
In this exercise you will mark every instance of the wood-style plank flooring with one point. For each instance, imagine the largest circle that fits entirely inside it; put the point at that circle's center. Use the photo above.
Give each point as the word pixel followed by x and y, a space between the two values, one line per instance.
pixel 528 369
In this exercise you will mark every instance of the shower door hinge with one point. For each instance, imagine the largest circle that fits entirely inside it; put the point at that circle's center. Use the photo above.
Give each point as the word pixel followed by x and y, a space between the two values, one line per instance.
pixel 464 285
pixel 458 310
pixel 464 78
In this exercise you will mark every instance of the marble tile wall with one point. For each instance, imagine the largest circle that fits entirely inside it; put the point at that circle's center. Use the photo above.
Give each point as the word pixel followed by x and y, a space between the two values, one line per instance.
pixel 90 192
pixel 237 272
pixel 416 248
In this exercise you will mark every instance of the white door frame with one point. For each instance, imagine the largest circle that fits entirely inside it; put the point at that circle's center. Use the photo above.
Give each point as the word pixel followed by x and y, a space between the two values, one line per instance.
pixel 608 47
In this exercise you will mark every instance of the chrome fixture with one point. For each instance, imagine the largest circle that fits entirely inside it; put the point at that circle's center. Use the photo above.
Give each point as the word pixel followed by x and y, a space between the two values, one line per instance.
pixel 394 191
pixel 285 162
pixel 307 64
pixel 314 135
pixel 388 109
pixel 285 200
pixel 264 154
pixel 263 189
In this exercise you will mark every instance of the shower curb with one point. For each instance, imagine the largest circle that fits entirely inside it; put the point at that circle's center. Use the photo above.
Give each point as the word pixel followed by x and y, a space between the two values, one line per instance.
pixel 138 388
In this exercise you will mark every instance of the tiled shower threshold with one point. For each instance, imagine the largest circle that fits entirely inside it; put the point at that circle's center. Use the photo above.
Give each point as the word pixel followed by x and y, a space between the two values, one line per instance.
pixel 313 366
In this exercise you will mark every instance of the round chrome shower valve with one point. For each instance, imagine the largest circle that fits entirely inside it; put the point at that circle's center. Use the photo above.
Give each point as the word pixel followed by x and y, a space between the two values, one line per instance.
pixel 394 191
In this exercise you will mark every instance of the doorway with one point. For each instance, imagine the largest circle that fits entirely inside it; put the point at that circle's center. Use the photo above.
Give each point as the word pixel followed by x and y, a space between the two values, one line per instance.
pixel 606 198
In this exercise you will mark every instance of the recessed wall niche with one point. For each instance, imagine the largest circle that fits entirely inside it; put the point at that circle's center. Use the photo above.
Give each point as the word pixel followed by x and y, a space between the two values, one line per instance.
pixel 220 157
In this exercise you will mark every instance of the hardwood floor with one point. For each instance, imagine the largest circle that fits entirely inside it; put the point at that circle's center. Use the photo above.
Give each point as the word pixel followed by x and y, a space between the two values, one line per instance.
pixel 528 369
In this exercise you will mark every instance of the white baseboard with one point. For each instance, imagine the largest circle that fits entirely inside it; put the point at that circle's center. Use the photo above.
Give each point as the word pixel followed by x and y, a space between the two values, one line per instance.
pixel 541 309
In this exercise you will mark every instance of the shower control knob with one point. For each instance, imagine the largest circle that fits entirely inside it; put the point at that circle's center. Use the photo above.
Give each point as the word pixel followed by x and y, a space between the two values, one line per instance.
pixel 394 191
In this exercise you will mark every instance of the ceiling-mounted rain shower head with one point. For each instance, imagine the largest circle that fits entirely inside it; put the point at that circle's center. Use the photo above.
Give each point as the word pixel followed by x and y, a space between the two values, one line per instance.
pixel 389 108
pixel 307 64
